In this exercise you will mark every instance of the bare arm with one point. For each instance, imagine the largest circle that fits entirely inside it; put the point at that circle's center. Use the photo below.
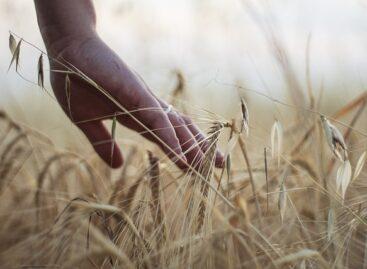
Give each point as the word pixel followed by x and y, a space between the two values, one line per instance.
pixel 68 28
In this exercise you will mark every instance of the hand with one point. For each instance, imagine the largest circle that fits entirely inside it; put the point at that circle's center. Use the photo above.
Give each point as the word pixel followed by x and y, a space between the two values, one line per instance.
pixel 176 135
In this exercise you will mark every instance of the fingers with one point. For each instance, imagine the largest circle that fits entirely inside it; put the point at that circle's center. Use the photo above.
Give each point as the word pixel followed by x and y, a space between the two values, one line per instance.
pixel 198 135
pixel 202 141
pixel 189 145
pixel 131 124
pixel 102 143
pixel 160 128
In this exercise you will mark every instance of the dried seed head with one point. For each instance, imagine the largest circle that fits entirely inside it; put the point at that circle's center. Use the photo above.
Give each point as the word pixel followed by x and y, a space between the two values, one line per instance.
pixel 276 131
pixel 335 139
pixel 15 56
pixel 343 178
pixel 245 117
pixel 216 127
pixel 12 44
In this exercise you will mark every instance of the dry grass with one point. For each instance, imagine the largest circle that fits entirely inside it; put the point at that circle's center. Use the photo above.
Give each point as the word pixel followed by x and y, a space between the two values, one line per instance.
pixel 279 210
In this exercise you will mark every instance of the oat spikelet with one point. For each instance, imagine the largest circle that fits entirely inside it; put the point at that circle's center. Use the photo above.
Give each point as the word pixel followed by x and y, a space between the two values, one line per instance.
pixel 343 178
pixel 12 44
pixel 40 71
pixel 276 132
pixel 245 117
pixel 360 164
pixel 15 56
pixel 335 139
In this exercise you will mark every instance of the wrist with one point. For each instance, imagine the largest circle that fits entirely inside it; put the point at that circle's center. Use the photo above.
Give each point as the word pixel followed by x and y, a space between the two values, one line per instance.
pixel 56 43
pixel 63 21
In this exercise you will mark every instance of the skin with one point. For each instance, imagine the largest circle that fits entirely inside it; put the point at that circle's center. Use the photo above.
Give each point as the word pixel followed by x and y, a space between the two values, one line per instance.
pixel 68 28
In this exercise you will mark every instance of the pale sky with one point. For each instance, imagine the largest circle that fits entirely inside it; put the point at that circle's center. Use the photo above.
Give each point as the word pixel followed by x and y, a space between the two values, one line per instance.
pixel 211 39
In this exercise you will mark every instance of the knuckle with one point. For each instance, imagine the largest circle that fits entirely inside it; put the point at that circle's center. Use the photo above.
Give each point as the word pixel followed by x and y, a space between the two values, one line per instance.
pixel 158 119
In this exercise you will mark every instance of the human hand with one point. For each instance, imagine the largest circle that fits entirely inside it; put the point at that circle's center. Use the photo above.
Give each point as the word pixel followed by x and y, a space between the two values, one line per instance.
pixel 86 106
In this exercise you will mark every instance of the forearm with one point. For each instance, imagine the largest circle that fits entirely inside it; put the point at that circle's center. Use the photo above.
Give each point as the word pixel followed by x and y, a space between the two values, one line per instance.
pixel 62 20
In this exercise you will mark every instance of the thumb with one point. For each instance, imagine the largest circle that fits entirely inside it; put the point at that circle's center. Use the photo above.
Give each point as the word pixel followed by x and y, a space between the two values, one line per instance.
pixel 102 143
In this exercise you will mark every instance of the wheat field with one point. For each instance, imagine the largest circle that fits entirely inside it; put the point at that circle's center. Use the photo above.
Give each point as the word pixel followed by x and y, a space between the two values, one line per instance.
pixel 297 201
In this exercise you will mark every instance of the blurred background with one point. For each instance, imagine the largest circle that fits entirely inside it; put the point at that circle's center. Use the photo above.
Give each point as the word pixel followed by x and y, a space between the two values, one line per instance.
pixel 214 44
